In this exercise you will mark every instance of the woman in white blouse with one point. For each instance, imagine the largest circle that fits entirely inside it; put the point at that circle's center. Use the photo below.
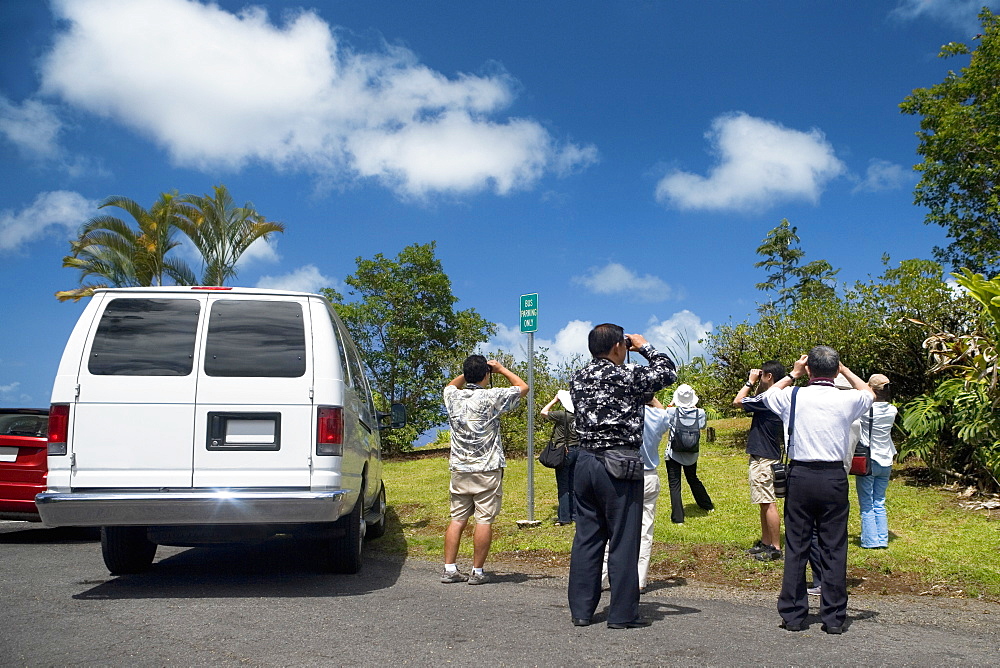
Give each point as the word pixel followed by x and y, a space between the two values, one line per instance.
pixel 876 433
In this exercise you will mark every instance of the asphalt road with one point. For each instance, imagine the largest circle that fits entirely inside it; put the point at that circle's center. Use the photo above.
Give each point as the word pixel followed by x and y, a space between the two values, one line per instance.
pixel 269 606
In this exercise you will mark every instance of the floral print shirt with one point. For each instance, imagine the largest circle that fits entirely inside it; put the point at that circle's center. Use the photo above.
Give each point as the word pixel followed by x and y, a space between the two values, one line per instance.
pixel 474 418
pixel 610 399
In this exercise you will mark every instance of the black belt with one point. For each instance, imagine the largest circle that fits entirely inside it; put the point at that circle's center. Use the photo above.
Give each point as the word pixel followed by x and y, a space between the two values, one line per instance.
pixel 817 465
pixel 632 448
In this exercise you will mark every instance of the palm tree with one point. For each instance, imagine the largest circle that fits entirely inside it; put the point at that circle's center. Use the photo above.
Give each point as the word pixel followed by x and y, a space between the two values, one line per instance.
pixel 111 248
pixel 222 231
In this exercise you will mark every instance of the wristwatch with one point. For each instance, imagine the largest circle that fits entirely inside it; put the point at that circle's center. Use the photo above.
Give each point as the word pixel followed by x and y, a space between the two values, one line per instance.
pixel 748 384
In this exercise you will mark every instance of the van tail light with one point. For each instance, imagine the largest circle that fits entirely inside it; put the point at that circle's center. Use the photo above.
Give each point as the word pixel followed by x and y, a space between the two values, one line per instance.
pixel 330 431
pixel 58 428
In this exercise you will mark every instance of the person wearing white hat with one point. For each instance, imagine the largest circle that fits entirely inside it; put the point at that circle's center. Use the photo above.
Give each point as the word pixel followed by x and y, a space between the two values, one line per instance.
pixel 684 412
pixel 564 433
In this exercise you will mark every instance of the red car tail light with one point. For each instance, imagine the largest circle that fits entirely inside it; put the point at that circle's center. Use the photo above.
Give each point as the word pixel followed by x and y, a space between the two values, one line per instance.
pixel 330 431
pixel 58 428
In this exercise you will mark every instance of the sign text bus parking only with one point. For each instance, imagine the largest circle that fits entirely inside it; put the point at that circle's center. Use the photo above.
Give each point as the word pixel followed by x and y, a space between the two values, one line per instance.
pixel 529 325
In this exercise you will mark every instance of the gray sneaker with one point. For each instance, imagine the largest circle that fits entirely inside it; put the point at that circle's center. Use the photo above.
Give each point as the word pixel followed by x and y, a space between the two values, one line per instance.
pixel 478 578
pixel 769 553
pixel 457 576
pixel 814 591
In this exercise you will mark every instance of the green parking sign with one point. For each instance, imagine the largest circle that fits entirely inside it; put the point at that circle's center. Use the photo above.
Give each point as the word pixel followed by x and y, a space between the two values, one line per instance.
pixel 529 313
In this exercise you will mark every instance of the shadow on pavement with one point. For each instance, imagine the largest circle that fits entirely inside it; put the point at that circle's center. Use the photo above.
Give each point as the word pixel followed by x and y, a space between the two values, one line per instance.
pixel 652 610
pixel 658 610
pixel 278 568
pixel 34 533
pixel 666 583
pixel 518 578
pixel 852 616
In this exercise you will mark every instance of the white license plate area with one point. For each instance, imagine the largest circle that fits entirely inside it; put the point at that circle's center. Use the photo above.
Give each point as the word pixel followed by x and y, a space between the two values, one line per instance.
pixel 8 454
pixel 244 431
pixel 249 432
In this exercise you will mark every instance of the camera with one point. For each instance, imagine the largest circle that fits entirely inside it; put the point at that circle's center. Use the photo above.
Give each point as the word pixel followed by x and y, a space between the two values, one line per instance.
pixel 780 471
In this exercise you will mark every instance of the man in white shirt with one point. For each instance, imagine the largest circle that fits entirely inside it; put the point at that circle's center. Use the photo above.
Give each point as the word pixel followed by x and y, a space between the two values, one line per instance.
pixel 819 418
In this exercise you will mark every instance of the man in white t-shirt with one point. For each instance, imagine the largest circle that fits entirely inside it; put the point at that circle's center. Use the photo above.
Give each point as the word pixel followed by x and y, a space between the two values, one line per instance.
pixel 819 449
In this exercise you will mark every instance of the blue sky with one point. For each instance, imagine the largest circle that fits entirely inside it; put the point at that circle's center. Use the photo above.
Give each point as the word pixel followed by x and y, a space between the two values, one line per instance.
pixel 621 159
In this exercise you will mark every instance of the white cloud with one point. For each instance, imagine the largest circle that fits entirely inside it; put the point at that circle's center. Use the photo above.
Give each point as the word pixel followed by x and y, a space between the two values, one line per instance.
pixel 678 335
pixel 9 389
pixel 32 127
pixel 616 279
pixel 58 211
pixel 304 279
pixel 294 96
pixel 883 175
pixel 570 342
pixel 760 163
pixel 259 251
pixel 958 13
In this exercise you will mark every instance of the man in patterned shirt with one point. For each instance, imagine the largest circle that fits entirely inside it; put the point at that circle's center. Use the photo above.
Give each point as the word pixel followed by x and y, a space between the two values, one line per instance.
pixel 477 459
pixel 609 397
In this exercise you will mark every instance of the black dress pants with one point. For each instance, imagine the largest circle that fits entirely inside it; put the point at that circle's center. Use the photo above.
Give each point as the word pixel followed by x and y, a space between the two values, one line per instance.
pixel 608 512
pixel 698 490
pixel 816 498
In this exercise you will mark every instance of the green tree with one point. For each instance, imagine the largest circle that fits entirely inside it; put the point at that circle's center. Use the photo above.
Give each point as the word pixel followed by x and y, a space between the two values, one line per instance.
pixel 407 329
pixel 898 307
pixel 126 255
pixel 788 280
pixel 956 428
pixel 878 326
pixel 222 231
pixel 781 256
pixel 548 378
pixel 960 145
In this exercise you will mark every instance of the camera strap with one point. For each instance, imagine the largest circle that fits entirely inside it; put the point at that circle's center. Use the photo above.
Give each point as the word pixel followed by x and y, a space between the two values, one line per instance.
pixel 791 426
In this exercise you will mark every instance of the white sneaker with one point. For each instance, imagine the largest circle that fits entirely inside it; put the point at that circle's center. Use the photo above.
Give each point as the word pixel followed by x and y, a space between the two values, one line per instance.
pixel 478 578
pixel 456 576
pixel 815 591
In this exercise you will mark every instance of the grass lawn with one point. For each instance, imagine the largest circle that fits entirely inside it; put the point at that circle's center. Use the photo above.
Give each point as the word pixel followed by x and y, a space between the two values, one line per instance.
pixel 936 547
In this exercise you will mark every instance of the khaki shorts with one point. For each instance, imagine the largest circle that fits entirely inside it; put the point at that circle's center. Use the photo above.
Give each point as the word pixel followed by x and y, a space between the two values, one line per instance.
pixel 762 480
pixel 480 491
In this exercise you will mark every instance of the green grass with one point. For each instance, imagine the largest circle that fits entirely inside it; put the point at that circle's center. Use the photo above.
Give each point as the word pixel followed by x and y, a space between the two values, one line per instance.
pixel 935 546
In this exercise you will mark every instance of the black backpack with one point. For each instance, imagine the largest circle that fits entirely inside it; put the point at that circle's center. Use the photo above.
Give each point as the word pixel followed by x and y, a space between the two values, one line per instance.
pixel 684 437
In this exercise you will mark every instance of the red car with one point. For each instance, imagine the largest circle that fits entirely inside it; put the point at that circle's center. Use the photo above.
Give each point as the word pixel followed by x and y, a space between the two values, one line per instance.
pixel 23 463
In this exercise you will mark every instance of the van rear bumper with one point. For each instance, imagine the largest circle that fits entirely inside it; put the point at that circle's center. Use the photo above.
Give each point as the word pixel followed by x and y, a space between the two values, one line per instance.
pixel 152 508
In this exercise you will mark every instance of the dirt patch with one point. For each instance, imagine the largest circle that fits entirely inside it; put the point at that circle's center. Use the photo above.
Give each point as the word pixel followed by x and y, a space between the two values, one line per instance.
pixel 676 565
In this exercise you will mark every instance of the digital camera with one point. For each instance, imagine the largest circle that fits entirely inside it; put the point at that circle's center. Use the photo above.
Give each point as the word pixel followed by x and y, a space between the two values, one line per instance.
pixel 780 471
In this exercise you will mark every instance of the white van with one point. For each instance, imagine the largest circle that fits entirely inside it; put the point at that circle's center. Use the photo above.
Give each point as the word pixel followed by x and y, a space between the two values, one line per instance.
pixel 197 415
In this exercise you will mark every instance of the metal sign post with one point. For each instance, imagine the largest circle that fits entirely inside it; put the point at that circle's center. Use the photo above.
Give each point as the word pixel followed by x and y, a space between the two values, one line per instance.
pixel 529 325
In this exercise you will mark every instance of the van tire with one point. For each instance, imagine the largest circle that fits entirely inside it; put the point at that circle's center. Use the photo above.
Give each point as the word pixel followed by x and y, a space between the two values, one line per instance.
pixel 377 528
pixel 345 550
pixel 126 549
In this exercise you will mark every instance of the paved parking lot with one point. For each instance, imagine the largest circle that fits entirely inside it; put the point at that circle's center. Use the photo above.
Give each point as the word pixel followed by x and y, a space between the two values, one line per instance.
pixel 269 606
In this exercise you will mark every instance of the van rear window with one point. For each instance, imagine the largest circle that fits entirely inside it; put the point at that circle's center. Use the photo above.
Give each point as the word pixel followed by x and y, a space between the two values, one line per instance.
pixel 145 337
pixel 250 338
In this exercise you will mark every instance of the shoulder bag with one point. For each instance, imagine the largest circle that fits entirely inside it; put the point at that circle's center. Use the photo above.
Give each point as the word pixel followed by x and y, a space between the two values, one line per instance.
pixel 554 454
pixel 861 463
